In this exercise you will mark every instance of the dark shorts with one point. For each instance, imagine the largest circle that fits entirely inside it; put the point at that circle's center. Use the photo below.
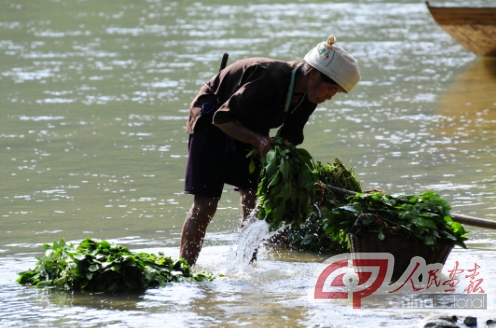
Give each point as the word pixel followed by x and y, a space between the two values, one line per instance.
pixel 215 160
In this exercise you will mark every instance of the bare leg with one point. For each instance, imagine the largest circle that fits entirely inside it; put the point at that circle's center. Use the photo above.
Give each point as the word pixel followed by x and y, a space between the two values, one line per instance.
pixel 195 227
pixel 248 200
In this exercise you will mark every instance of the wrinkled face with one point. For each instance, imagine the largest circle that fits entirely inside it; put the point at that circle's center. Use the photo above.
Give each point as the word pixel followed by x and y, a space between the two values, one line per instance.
pixel 318 90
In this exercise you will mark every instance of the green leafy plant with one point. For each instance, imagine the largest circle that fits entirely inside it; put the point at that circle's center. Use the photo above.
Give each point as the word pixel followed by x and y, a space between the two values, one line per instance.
pixel 338 175
pixel 422 217
pixel 99 266
pixel 286 189
pixel 312 236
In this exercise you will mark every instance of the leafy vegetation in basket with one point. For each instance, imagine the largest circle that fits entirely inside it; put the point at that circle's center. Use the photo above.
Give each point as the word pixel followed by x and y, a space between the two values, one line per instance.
pixel 318 220
pixel 424 217
pixel 99 266
pixel 286 189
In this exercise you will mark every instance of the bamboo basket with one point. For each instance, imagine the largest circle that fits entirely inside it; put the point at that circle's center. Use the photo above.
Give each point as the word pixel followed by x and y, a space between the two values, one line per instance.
pixel 401 248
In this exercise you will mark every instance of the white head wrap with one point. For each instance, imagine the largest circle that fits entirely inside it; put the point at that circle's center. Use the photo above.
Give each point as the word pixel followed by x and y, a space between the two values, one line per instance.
pixel 334 62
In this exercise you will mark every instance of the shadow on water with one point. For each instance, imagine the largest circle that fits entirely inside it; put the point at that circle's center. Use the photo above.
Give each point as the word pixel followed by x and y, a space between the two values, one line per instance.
pixel 461 142
pixel 472 95
pixel 120 301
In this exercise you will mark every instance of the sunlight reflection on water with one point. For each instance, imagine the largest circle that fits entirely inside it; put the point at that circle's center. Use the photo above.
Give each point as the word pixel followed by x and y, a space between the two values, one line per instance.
pixel 92 144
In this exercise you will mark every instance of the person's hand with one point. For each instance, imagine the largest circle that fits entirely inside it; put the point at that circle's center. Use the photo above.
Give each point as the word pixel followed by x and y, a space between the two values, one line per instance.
pixel 237 131
pixel 263 145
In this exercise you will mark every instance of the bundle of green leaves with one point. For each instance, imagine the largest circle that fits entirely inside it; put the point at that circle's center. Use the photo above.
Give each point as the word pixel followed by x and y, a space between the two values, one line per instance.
pixel 338 175
pixel 311 236
pixel 286 189
pixel 99 266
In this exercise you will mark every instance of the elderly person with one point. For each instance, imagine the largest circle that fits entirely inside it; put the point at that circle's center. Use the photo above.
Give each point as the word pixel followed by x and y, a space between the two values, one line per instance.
pixel 234 112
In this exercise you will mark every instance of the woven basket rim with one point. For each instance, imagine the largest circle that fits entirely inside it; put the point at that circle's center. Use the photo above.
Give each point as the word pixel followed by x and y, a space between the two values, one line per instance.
pixel 368 233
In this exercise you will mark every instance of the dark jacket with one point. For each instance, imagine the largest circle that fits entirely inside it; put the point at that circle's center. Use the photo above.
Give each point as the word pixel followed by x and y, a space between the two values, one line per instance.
pixel 253 91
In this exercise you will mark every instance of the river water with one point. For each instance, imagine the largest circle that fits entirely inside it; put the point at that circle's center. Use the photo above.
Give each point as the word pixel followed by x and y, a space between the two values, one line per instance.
pixel 94 96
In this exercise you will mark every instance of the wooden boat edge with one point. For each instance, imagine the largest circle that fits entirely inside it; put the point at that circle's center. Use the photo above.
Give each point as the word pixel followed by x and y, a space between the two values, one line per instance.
pixel 473 28
pixel 463 15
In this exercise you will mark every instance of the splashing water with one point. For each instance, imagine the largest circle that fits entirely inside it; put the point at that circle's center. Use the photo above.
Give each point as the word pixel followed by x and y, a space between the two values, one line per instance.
pixel 249 241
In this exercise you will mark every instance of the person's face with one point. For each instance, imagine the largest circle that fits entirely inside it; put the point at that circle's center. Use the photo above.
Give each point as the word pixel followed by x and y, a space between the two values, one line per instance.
pixel 320 91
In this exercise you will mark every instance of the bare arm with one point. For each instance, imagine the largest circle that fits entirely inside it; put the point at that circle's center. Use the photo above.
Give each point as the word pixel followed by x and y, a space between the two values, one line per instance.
pixel 239 132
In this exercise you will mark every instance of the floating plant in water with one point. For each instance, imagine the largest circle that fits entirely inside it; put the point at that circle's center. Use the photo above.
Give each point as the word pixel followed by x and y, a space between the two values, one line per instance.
pixel 99 266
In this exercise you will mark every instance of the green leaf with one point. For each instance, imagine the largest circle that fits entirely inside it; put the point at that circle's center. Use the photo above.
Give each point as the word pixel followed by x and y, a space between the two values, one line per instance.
pixel 429 240
pixel 252 166
pixel 93 267
pixel 427 223
pixel 275 180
